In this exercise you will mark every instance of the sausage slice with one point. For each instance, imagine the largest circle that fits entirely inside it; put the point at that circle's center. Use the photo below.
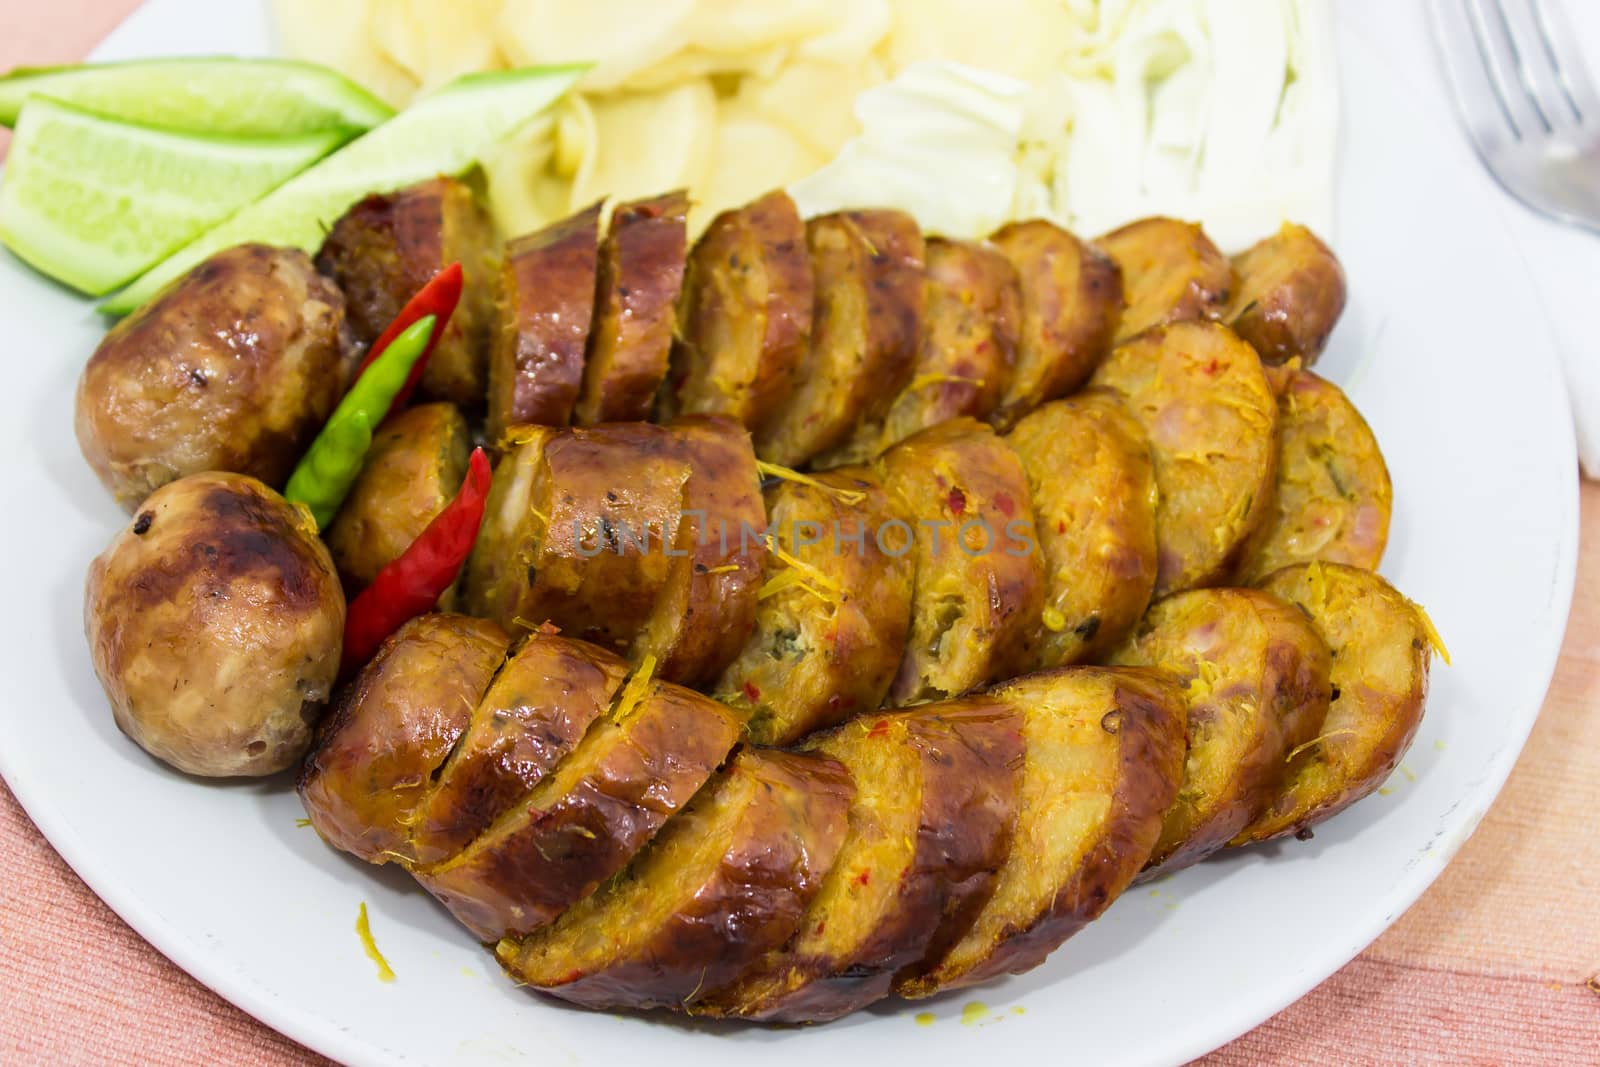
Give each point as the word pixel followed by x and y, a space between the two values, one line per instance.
pixel 1332 497
pixel 1171 272
pixel 1290 295
pixel 1381 644
pixel 1102 760
pixel 969 343
pixel 1071 304
pixel 1093 486
pixel 726 882
pixel 370 769
pixel 587 818
pixel 978 593
pixel 745 315
pixel 868 270
pixel 1255 676
pixel 833 611
pixel 1201 398
pixel 413 469
pixel 640 275
pixel 929 827
pixel 389 245
pixel 547 290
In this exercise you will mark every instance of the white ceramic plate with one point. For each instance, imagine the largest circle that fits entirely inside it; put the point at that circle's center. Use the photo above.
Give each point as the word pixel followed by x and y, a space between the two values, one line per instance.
pixel 1444 350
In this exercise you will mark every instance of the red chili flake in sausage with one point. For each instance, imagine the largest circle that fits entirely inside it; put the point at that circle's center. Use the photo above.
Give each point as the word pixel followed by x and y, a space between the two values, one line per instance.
pixel 1061 526
pixel 879 729
pixel 864 878
pixel 751 692
pixel 957 501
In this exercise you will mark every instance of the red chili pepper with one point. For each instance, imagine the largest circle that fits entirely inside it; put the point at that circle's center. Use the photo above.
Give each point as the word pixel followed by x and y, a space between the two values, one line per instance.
pixel 438 298
pixel 413 583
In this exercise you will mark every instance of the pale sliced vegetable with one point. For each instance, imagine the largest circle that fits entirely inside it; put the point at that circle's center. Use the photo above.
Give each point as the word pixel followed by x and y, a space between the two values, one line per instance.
pixel 444 133
pixel 238 97
pixel 94 202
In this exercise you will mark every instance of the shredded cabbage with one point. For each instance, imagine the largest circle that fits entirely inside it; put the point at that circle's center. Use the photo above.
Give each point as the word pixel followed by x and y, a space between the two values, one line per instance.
pixel 1211 110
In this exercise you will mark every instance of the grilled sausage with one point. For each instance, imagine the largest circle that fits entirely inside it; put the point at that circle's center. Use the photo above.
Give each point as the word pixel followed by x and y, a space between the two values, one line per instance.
pixel 1092 482
pixel 726 882
pixel 1255 678
pixel 969 343
pixel 1381 644
pixel 868 270
pixel 640 275
pixel 706 609
pixel 547 292
pixel 415 465
pixel 369 773
pixel 745 315
pixel 1201 397
pixel 583 820
pixel 233 367
pixel 978 596
pixel 1171 272
pixel 1289 297
pixel 576 531
pixel 388 246
pixel 833 614
pixel 644 539
pixel 1332 497
pixel 1102 759
pixel 936 794
pixel 1071 304
pixel 531 716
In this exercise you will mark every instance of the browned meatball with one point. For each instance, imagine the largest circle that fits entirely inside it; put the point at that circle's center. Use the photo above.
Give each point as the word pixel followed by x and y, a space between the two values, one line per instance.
pixel 233 367
pixel 214 620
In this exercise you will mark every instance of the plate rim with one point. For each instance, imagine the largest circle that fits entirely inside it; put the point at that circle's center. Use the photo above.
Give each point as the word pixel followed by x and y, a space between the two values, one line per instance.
pixel 262 1002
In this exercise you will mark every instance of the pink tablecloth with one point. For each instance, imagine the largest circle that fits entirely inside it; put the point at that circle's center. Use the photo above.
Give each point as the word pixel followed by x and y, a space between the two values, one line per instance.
pixel 1497 964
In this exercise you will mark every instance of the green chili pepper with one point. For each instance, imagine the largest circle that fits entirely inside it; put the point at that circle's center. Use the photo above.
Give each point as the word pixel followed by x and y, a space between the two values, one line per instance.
pixel 330 466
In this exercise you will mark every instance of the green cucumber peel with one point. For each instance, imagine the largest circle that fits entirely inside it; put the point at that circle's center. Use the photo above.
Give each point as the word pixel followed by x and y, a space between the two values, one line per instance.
pixel 94 201
pixel 445 132
pixel 211 95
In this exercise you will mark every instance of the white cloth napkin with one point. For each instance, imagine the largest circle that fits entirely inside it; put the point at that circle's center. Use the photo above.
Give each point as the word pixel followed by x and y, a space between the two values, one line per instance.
pixel 1563 262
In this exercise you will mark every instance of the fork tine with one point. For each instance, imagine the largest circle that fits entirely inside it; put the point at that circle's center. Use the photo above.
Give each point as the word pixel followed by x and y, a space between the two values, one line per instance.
pixel 1476 100
pixel 1505 74
pixel 1538 65
pixel 1558 37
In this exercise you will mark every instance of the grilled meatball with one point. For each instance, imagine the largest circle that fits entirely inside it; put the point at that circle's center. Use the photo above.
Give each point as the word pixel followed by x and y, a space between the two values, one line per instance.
pixel 234 367
pixel 214 620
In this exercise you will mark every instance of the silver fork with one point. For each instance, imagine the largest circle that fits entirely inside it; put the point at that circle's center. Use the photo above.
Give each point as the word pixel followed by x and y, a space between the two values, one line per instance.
pixel 1526 99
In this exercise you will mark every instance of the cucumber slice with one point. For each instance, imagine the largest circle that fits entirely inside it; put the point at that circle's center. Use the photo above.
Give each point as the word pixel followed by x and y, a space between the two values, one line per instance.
pixel 239 97
pixel 443 133
pixel 95 202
